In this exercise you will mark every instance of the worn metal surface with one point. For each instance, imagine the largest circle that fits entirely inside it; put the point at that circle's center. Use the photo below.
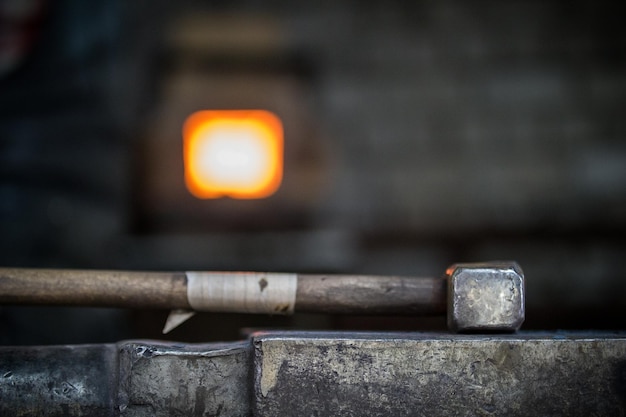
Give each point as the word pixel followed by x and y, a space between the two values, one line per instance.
pixel 61 381
pixel 444 375
pixel 159 379
pixel 485 297
pixel 323 374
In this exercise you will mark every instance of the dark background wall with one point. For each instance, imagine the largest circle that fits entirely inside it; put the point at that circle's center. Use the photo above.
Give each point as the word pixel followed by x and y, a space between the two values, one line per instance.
pixel 417 135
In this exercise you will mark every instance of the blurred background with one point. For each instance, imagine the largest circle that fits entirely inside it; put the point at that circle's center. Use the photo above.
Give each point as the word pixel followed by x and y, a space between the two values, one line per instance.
pixel 416 135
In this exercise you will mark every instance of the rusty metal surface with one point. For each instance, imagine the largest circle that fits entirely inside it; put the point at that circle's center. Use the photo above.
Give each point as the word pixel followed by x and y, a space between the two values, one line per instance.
pixel 323 374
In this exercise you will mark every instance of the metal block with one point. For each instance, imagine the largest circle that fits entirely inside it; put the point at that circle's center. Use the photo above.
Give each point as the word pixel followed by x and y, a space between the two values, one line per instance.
pixel 61 381
pixel 485 297
pixel 439 375
pixel 323 374
pixel 164 379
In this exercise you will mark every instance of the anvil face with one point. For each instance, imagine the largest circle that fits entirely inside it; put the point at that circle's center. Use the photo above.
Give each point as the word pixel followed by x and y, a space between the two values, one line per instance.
pixel 334 373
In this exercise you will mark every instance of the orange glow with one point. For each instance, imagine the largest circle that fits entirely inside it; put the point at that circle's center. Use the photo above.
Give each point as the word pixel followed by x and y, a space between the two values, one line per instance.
pixel 234 153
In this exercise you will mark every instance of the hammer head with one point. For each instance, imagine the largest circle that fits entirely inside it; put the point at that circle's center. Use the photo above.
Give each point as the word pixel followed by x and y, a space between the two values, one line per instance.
pixel 485 297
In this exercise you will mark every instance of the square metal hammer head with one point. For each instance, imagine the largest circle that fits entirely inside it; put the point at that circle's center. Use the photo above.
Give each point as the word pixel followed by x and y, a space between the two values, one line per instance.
pixel 485 297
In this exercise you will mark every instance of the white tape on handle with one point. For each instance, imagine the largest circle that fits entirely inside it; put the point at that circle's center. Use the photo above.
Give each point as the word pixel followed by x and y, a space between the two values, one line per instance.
pixel 244 292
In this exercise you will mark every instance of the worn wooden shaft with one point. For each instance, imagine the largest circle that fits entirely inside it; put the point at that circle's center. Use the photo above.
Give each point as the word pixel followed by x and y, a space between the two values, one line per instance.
pixel 363 294
pixel 93 288
pixel 344 294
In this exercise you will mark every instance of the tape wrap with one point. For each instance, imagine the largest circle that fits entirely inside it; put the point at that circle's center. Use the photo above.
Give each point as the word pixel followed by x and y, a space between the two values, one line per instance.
pixel 243 292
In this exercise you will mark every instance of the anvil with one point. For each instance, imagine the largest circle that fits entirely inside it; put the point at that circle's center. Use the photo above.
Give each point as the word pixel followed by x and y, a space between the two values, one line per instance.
pixel 323 374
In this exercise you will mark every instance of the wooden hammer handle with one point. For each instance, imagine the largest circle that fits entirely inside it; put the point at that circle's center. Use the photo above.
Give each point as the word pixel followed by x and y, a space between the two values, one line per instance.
pixel 342 294
pixel 364 294
pixel 166 290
